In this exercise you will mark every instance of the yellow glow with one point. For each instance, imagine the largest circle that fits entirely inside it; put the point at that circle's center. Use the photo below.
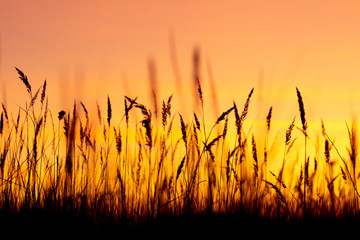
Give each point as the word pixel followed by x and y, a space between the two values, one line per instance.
pixel 87 52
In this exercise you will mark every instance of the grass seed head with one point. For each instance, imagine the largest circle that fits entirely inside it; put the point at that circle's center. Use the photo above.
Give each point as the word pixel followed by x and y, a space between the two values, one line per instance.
pixel 43 93
pixel 268 119
pixel 24 79
pixel 109 110
pixel 183 129
pixel 302 111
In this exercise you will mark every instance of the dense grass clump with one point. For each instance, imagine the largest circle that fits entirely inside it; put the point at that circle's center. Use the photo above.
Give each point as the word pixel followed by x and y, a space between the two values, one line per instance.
pixel 137 169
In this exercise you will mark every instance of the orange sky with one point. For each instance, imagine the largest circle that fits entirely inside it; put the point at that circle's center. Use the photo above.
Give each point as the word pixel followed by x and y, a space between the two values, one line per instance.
pixel 88 49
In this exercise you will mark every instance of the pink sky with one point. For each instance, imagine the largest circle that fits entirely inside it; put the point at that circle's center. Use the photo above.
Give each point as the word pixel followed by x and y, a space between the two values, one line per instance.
pixel 88 49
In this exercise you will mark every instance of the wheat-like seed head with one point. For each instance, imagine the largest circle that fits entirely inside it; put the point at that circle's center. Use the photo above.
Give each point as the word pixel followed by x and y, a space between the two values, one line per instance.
pixel 254 154
pixel 118 140
pixel 5 111
pixel 302 111
pixel 223 115
pixel 288 132
pixel 197 122
pixel 24 79
pixel 178 172
pixel 43 93
pixel 268 119
pixel 183 129
pixel 109 110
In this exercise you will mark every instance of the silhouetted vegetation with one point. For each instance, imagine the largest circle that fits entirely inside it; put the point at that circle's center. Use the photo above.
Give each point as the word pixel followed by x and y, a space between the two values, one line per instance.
pixel 71 169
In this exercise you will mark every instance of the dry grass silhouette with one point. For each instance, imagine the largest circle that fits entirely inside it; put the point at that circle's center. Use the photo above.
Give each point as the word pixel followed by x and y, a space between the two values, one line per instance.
pixel 179 167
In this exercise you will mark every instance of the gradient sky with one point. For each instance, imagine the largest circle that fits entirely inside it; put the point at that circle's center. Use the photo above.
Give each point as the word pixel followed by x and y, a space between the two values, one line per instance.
pixel 88 49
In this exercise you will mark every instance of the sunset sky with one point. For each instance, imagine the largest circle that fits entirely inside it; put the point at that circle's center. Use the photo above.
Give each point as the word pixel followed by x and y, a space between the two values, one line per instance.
pixel 90 49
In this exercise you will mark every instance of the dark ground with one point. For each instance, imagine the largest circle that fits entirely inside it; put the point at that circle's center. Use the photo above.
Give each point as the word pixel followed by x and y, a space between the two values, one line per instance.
pixel 46 223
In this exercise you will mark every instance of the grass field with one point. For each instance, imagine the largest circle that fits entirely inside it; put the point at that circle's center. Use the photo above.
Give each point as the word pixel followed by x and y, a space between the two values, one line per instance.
pixel 153 167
